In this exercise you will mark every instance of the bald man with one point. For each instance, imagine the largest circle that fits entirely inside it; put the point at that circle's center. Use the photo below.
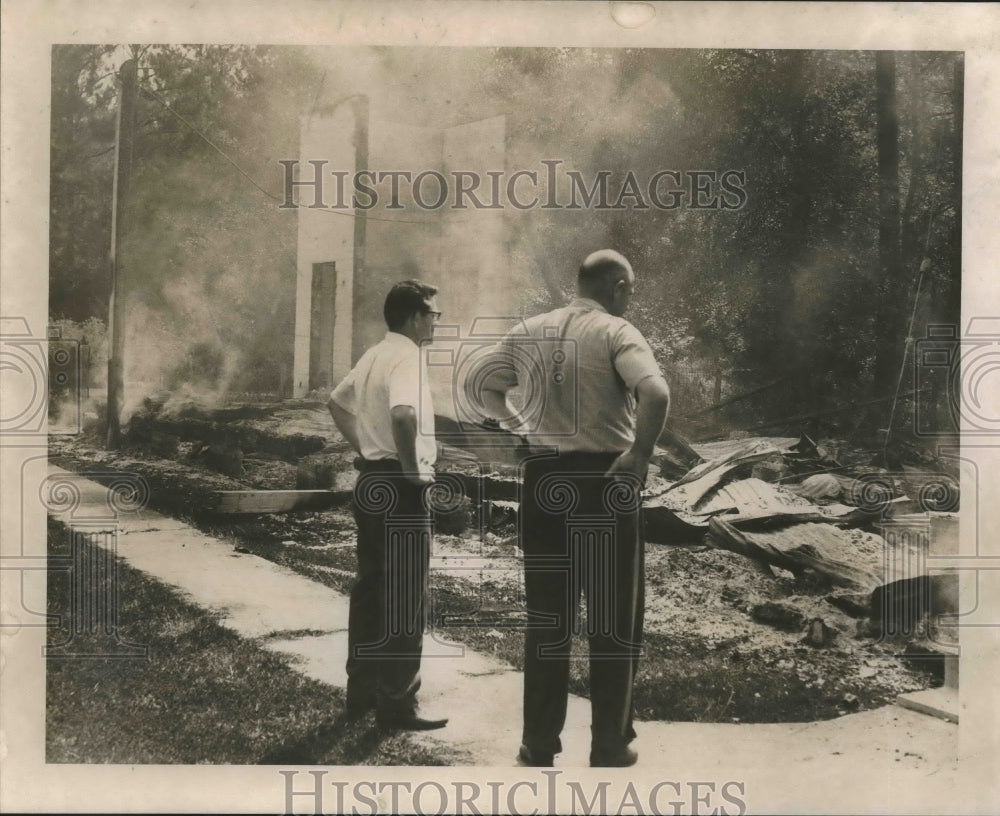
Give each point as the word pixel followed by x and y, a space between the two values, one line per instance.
pixel 593 397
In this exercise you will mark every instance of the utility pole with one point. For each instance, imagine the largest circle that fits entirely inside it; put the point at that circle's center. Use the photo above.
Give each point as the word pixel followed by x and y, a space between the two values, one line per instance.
pixel 124 147
pixel 361 104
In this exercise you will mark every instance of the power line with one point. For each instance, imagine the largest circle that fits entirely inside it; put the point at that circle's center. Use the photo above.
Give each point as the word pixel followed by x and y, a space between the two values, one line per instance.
pixel 925 265
pixel 210 143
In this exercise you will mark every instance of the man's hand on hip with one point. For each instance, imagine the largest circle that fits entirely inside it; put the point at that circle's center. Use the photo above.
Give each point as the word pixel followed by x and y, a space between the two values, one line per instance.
pixel 420 479
pixel 631 462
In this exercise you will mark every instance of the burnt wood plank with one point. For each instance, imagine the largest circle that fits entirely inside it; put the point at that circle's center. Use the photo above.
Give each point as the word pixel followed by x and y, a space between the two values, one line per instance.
pixel 280 501
pixel 800 547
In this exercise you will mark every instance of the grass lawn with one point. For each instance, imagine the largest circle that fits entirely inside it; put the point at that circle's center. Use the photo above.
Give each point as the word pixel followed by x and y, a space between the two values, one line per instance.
pixel 202 694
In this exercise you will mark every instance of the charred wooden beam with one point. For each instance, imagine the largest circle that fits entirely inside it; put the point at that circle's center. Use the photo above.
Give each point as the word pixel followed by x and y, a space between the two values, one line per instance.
pixel 797 549
pixel 280 501
pixel 476 488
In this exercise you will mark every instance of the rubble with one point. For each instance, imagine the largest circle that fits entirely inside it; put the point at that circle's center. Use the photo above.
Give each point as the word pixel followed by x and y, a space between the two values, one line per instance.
pixel 819 486
pixel 705 605
pixel 701 479
pixel 820 548
pixel 855 604
pixel 779 615
pixel 674 455
pixel 801 511
pixel 821 512
pixel 222 436
pixel 315 472
pixel 819 634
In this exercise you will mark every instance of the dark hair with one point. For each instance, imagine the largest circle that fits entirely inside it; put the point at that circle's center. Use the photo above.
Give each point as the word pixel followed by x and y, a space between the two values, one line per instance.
pixel 598 273
pixel 404 300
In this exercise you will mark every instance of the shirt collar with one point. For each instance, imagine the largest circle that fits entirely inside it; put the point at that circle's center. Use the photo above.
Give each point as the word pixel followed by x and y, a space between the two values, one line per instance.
pixel 396 339
pixel 586 303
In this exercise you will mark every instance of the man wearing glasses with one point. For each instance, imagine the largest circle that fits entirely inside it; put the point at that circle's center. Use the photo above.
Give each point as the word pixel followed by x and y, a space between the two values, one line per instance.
pixel 385 414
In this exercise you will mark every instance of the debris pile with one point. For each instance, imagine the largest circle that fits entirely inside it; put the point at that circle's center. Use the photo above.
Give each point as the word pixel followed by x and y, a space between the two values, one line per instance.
pixel 776 601
pixel 220 438
pixel 818 513
pixel 823 513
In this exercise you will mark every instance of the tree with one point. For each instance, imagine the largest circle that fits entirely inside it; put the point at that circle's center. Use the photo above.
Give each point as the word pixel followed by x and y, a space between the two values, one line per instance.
pixel 810 282
pixel 209 255
pixel 82 160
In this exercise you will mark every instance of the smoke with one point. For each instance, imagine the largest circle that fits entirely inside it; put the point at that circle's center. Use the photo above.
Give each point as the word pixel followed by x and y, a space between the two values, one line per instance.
pixel 209 263
pixel 212 278
pixel 196 365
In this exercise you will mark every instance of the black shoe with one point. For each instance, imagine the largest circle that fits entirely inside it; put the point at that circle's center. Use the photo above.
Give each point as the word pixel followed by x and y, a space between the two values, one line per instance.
pixel 623 757
pixel 356 709
pixel 410 721
pixel 533 759
pixel 360 697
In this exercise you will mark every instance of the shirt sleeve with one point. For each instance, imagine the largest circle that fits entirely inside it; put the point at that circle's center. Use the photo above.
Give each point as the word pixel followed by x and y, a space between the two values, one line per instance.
pixel 633 358
pixel 345 395
pixel 404 383
pixel 503 371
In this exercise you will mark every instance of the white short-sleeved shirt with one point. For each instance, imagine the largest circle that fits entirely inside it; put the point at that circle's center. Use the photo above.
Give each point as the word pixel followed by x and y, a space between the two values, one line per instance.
pixel 575 370
pixel 387 375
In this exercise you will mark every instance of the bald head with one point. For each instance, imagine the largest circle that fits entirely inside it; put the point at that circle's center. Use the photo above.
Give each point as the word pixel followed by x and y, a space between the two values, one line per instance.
pixel 607 277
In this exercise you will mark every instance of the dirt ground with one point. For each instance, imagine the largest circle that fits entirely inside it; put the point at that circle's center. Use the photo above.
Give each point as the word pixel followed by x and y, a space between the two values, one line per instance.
pixel 726 638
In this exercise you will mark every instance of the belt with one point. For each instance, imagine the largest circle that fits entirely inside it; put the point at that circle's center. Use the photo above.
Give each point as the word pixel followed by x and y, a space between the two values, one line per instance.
pixel 577 458
pixel 377 465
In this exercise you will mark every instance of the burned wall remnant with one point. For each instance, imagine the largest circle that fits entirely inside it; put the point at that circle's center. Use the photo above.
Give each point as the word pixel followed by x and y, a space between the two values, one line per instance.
pixel 422 227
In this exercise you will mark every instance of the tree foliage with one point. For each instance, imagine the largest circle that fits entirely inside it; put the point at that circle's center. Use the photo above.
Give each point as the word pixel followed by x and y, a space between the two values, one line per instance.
pixel 789 287
pixel 209 257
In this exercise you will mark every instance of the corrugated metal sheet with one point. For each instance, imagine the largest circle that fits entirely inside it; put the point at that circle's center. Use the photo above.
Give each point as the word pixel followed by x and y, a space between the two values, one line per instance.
pixel 846 557
pixel 725 447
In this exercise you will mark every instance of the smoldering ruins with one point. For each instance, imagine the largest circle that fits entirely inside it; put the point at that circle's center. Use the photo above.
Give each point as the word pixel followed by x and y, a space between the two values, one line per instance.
pixel 805 316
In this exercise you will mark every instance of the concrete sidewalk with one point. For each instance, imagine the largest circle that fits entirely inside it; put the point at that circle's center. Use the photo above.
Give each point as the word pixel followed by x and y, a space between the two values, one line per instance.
pixel 888 760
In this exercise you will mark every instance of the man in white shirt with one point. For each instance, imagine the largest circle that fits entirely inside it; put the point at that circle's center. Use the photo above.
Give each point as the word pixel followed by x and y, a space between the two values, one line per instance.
pixel 598 405
pixel 387 415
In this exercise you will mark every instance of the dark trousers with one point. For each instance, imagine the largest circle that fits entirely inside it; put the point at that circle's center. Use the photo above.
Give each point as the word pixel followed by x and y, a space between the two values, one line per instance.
pixel 387 611
pixel 580 533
